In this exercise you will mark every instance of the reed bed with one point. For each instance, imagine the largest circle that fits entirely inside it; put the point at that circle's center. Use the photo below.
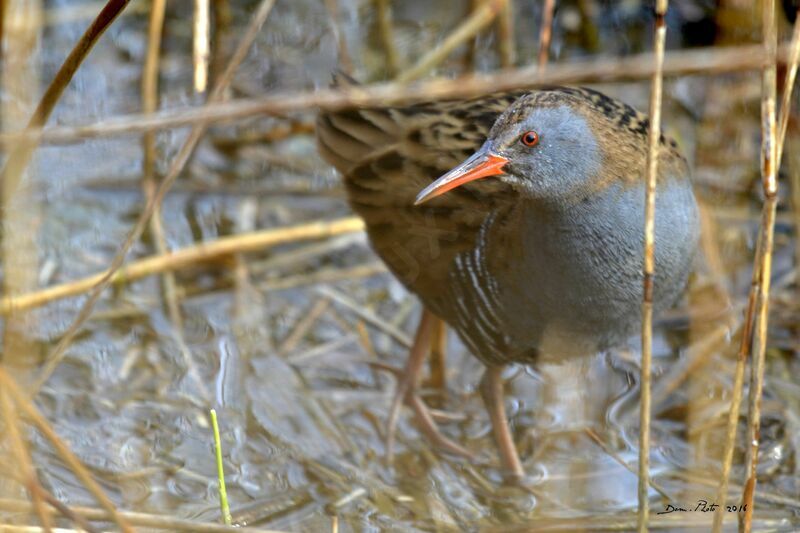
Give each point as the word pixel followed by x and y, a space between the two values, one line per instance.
pixel 721 60
pixel 285 329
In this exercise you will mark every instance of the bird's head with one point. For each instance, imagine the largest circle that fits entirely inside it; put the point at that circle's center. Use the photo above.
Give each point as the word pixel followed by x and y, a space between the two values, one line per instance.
pixel 545 145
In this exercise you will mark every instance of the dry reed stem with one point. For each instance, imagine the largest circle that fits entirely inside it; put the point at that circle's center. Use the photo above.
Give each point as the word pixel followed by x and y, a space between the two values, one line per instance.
pixel 150 80
pixel 769 171
pixel 469 58
pixel 276 133
pixel 546 33
pixel 27 473
pixel 182 157
pixel 366 342
pixel 20 207
pixel 592 434
pixel 659 39
pixel 783 123
pixel 637 67
pixel 18 159
pixel 243 297
pixel 222 19
pixel 505 35
pixel 711 247
pixel 23 403
pixel 386 33
pixel 331 275
pixel 302 326
pixel 290 259
pixel 14 528
pixel 758 357
pixel 140 519
pixel 478 20
pixel 698 355
pixel 3 14
pixel 736 396
pixel 79 12
pixel 201 44
pixel 794 175
pixel 788 88
pixel 69 513
pixel 345 61
pixel 758 301
pixel 149 89
pixel 368 316
pixel 188 256
pixel 150 105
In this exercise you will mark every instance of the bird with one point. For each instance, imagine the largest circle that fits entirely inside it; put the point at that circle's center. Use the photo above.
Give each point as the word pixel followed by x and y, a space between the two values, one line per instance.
pixel 518 219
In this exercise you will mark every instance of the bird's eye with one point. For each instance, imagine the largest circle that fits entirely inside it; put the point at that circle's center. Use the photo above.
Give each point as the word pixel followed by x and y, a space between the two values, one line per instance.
pixel 530 138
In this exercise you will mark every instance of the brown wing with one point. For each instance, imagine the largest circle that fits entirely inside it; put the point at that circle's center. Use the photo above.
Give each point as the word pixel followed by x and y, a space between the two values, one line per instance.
pixel 387 155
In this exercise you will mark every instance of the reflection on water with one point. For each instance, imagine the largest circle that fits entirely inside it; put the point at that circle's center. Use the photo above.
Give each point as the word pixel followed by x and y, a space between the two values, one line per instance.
pixel 302 410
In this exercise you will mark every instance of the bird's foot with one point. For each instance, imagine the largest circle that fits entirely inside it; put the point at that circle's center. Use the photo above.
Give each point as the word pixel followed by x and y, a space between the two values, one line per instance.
pixel 406 394
pixel 428 426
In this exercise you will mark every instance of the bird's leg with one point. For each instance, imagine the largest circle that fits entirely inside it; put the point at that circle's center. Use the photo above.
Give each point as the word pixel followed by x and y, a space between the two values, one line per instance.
pixel 408 380
pixel 437 361
pixel 406 392
pixel 492 392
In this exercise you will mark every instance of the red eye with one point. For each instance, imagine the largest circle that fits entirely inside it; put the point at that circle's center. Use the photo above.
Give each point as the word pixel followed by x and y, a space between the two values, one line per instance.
pixel 530 138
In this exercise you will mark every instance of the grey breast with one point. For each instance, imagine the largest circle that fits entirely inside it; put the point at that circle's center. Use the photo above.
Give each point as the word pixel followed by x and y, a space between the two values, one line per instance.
pixel 568 282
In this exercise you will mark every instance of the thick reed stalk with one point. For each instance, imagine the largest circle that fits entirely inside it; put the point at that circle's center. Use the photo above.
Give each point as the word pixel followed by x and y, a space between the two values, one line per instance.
pixel 20 207
pixel 769 172
pixel 659 39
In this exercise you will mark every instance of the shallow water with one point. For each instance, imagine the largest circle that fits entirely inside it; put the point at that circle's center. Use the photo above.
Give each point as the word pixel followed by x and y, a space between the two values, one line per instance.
pixel 302 417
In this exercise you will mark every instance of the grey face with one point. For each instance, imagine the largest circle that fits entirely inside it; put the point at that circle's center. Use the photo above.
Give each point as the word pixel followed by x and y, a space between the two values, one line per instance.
pixel 565 158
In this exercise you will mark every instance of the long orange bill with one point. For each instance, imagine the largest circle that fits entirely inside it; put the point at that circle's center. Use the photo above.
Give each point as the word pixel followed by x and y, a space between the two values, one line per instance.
pixel 481 165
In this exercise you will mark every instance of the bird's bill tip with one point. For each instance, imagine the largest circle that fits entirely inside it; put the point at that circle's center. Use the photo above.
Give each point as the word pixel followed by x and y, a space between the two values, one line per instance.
pixel 480 165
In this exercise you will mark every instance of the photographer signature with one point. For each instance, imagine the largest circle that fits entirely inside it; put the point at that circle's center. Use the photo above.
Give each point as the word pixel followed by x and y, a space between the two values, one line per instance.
pixel 703 507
